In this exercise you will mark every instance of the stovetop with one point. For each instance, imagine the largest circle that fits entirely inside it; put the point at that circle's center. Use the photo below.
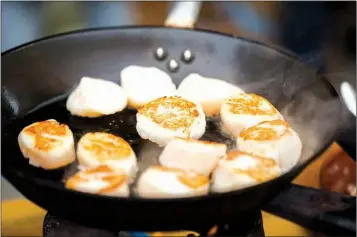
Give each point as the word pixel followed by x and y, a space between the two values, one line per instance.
pixel 251 225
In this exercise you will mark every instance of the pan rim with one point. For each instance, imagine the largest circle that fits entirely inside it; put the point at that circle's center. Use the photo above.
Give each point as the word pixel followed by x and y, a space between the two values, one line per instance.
pixel 275 47
pixel 211 196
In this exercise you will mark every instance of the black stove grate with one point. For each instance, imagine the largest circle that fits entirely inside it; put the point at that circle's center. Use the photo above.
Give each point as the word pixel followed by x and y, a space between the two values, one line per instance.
pixel 54 226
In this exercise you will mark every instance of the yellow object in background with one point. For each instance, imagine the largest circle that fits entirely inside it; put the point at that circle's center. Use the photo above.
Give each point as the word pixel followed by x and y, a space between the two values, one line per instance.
pixel 21 218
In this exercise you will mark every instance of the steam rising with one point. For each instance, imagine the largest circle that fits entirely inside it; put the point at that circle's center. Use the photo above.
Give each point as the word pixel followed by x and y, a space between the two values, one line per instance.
pixel 315 120
pixel 148 155
pixel 303 99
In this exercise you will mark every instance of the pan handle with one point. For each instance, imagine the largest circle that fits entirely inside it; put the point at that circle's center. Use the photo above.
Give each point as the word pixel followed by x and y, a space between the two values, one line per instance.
pixel 347 137
pixel 183 14
pixel 341 85
pixel 321 211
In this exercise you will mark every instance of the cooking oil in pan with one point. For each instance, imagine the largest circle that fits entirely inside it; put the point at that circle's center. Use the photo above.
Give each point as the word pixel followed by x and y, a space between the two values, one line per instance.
pixel 121 124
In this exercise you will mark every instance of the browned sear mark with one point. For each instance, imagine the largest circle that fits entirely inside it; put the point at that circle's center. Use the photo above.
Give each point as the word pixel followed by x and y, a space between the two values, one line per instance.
pixel 266 162
pixel 92 114
pixel 99 169
pixel 192 180
pixel 251 104
pixel 232 155
pixel 259 174
pixel 195 181
pixel 106 146
pixel 114 182
pixel 112 179
pixel 49 127
pixel 166 169
pixel 277 122
pixel 260 133
pixel 171 112
pixel 265 170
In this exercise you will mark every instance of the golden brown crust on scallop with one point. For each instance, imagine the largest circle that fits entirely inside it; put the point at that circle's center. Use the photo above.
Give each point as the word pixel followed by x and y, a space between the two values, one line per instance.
pixel 178 112
pixel 167 169
pixel 262 172
pixel 114 182
pixel 260 133
pixel 195 182
pixel 251 104
pixel 190 179
pixel 267 162
pixel 232 155
pixel 39 131
pixel 260 175
pixel 43 162
pixel 91 114
pixel 112 179
pixel 105 146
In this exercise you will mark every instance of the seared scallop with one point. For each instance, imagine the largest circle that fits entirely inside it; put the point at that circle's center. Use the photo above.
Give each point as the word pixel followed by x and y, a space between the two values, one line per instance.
pixel 99 148
pixel 167 117
pixel 240 170
pixel 96 97
pixel 242 111
pixel 47 144
pixel 275 138
pixel 164 182
pixel 144 84
pixel 192 155
pixel 209 92
pixel 101 180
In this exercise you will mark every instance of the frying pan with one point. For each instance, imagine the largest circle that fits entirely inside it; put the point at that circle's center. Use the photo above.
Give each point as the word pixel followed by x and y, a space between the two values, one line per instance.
pixel 43 72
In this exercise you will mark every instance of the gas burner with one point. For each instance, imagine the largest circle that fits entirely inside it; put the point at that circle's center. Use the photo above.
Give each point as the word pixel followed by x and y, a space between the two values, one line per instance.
pixel 251 225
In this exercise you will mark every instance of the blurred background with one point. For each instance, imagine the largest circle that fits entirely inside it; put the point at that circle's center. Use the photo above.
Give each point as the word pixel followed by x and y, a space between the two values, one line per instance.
pixel 323 34
pixel 307 28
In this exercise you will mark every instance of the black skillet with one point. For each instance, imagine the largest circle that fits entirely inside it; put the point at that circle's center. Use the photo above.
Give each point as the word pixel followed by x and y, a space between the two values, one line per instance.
pixel 36 73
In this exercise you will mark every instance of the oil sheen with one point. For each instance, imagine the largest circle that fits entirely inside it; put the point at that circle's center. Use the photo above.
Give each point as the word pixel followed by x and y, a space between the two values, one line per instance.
pixel 121 124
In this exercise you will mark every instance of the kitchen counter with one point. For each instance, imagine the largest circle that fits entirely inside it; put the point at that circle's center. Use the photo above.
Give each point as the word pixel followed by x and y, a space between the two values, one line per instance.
pixel 21 217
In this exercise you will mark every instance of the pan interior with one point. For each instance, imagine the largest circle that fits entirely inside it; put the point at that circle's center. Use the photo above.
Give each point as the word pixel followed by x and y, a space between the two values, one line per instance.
pixel 38 73
pixel 121 124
